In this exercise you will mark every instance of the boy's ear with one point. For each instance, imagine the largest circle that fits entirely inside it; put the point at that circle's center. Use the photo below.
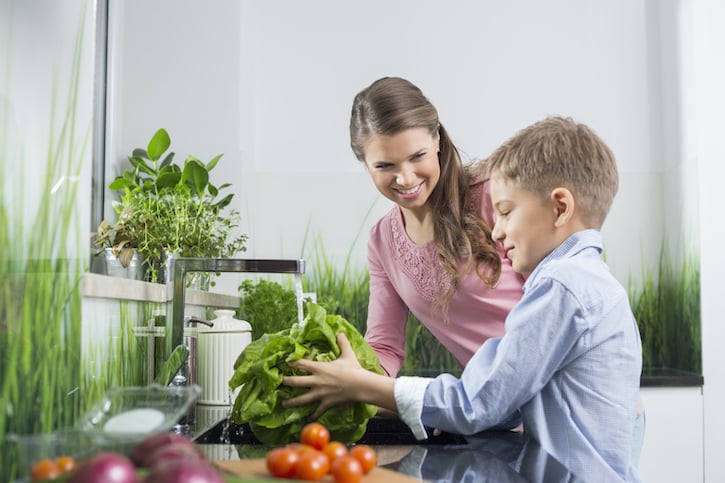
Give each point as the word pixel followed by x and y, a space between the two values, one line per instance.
pixel 563 202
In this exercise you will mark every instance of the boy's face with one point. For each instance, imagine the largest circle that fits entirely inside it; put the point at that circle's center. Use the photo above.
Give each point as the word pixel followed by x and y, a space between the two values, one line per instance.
pixel 525 224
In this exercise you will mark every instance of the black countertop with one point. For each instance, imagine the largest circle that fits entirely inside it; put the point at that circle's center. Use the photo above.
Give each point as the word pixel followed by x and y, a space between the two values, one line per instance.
pixel 500 456
pixel 497 456
pixel 666 377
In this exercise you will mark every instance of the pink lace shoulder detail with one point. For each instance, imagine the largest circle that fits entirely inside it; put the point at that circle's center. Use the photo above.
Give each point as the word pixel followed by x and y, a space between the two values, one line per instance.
pixel 418 262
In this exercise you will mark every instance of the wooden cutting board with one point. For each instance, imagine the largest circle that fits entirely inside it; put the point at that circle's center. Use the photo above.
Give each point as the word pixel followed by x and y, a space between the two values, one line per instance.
pixel 257 468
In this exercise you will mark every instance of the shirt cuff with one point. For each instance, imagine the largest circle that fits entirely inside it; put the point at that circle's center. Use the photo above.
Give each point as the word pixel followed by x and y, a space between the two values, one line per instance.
pixel 412 463
pixel 409 393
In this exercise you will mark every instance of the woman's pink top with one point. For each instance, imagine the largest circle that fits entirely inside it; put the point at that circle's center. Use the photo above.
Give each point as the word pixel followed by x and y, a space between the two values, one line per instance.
pixel 407 277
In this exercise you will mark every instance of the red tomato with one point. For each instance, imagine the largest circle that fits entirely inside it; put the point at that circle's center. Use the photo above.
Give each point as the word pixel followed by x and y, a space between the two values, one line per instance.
pixel 334 449
pixel 65 463
pixel 44 469
pixel 365 455
pixel 312 465
pixel 282 462
pixel 300 448
pixel 346 469
pixel 315 434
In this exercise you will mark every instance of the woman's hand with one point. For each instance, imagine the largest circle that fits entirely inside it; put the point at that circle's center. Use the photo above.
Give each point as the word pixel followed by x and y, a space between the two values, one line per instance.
pixel 331 383
pixel 340 381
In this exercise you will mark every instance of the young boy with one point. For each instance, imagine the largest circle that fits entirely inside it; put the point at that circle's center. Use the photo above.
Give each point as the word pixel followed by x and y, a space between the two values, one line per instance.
pixel 571 356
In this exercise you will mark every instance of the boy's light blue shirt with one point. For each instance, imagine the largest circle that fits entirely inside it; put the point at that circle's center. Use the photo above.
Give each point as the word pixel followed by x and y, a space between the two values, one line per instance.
pixel 570 360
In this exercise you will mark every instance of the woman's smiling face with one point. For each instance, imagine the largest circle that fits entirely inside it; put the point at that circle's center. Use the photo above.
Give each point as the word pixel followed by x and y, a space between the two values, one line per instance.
pixel 404 167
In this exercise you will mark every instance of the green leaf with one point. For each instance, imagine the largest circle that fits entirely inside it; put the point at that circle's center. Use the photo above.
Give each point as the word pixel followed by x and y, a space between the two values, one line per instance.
pixel 167 160
pixel 171 366
pixel 158 145
pixel 168 179
pixel 223 202
pixel 140 164
pixel 196 175
pixel 140 153
pixel 212 164
pixel 121 183
pixel 147 185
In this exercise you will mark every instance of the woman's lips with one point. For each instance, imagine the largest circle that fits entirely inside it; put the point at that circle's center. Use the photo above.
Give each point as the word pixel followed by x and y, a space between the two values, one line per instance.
pixel 409 192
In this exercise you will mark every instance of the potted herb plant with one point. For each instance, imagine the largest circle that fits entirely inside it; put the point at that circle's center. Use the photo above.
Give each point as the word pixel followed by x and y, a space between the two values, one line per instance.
pixel 119 243
pixel 170 208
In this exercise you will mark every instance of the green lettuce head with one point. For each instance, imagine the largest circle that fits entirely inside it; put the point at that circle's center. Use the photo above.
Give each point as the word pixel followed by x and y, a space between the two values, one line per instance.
pixel 262 364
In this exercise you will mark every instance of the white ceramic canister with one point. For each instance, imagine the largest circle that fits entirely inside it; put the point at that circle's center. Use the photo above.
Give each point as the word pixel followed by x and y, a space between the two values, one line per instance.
pixel 217 348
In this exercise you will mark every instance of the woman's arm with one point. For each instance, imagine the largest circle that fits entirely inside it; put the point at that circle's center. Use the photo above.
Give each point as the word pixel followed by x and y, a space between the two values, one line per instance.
pixel 387 313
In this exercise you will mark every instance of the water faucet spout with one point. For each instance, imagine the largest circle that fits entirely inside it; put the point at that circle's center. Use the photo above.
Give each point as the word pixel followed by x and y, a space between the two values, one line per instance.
pixel 178 267
pixel 188 321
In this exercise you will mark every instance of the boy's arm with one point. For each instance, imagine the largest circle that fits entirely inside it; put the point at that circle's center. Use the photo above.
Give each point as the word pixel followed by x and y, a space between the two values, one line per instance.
pixel 506 372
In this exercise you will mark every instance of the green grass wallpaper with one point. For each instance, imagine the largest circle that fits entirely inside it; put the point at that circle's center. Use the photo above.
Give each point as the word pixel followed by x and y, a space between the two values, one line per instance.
pixel 666 305
pixel 44 381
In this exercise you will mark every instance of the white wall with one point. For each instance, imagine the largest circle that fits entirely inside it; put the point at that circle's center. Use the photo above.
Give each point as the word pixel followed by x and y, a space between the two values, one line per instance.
pixel 270 84
pixel 709 41
pixel 39 118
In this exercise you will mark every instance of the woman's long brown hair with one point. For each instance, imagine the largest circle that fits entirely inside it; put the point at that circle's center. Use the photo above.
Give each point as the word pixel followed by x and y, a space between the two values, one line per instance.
pixel 391 105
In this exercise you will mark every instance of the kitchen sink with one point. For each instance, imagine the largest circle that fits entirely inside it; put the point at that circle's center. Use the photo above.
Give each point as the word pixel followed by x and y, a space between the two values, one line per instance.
pixel 380 431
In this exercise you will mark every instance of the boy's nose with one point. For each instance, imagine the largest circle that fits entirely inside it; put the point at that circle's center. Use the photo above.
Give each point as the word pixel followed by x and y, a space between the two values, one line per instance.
pixel 497 232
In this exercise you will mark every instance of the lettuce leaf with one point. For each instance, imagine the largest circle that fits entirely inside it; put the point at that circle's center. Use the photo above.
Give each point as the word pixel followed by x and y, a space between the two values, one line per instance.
pixel 262 364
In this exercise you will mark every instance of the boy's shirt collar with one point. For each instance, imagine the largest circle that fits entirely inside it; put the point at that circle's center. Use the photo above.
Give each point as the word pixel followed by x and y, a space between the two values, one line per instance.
pixel 571 246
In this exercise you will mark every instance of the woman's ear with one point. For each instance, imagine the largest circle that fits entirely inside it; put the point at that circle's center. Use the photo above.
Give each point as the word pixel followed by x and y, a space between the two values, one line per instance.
pixel 564 205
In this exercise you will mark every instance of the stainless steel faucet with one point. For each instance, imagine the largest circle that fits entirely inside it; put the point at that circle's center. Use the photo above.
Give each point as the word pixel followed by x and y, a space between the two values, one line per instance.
pixel 178 267
pixel 176 270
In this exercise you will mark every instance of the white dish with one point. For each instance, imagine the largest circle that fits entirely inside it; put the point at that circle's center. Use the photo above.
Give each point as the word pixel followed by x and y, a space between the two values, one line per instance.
pixel 139 410
pixel 142 420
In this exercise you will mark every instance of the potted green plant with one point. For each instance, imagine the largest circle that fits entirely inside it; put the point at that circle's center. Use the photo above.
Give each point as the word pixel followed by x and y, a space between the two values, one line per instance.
pixel 169 208
pixel 119 241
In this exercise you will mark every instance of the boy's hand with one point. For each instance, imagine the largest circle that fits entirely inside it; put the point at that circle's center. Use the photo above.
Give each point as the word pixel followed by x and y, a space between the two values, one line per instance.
pixel 330 383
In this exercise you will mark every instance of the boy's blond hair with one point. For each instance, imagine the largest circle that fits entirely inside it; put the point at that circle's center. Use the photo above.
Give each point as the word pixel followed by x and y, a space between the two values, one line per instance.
pixel 558 152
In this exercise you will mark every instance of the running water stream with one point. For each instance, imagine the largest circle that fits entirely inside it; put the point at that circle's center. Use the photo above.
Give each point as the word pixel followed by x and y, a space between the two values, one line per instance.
pixel 299 294
pixel 300 299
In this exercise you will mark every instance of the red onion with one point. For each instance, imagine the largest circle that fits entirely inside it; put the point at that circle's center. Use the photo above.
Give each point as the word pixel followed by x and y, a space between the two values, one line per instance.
pixel 105 468
pixel 143 450
pixel 183 471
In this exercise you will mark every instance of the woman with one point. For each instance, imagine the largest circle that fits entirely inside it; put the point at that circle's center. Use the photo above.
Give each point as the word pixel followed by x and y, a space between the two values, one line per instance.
pixel 432 254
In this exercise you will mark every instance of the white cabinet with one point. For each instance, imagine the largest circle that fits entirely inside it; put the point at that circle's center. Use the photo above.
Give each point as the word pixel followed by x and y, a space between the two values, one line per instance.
pixel 673 443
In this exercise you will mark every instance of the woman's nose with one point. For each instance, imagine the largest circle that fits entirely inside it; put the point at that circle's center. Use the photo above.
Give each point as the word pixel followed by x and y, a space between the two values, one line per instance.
pixel 405 177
